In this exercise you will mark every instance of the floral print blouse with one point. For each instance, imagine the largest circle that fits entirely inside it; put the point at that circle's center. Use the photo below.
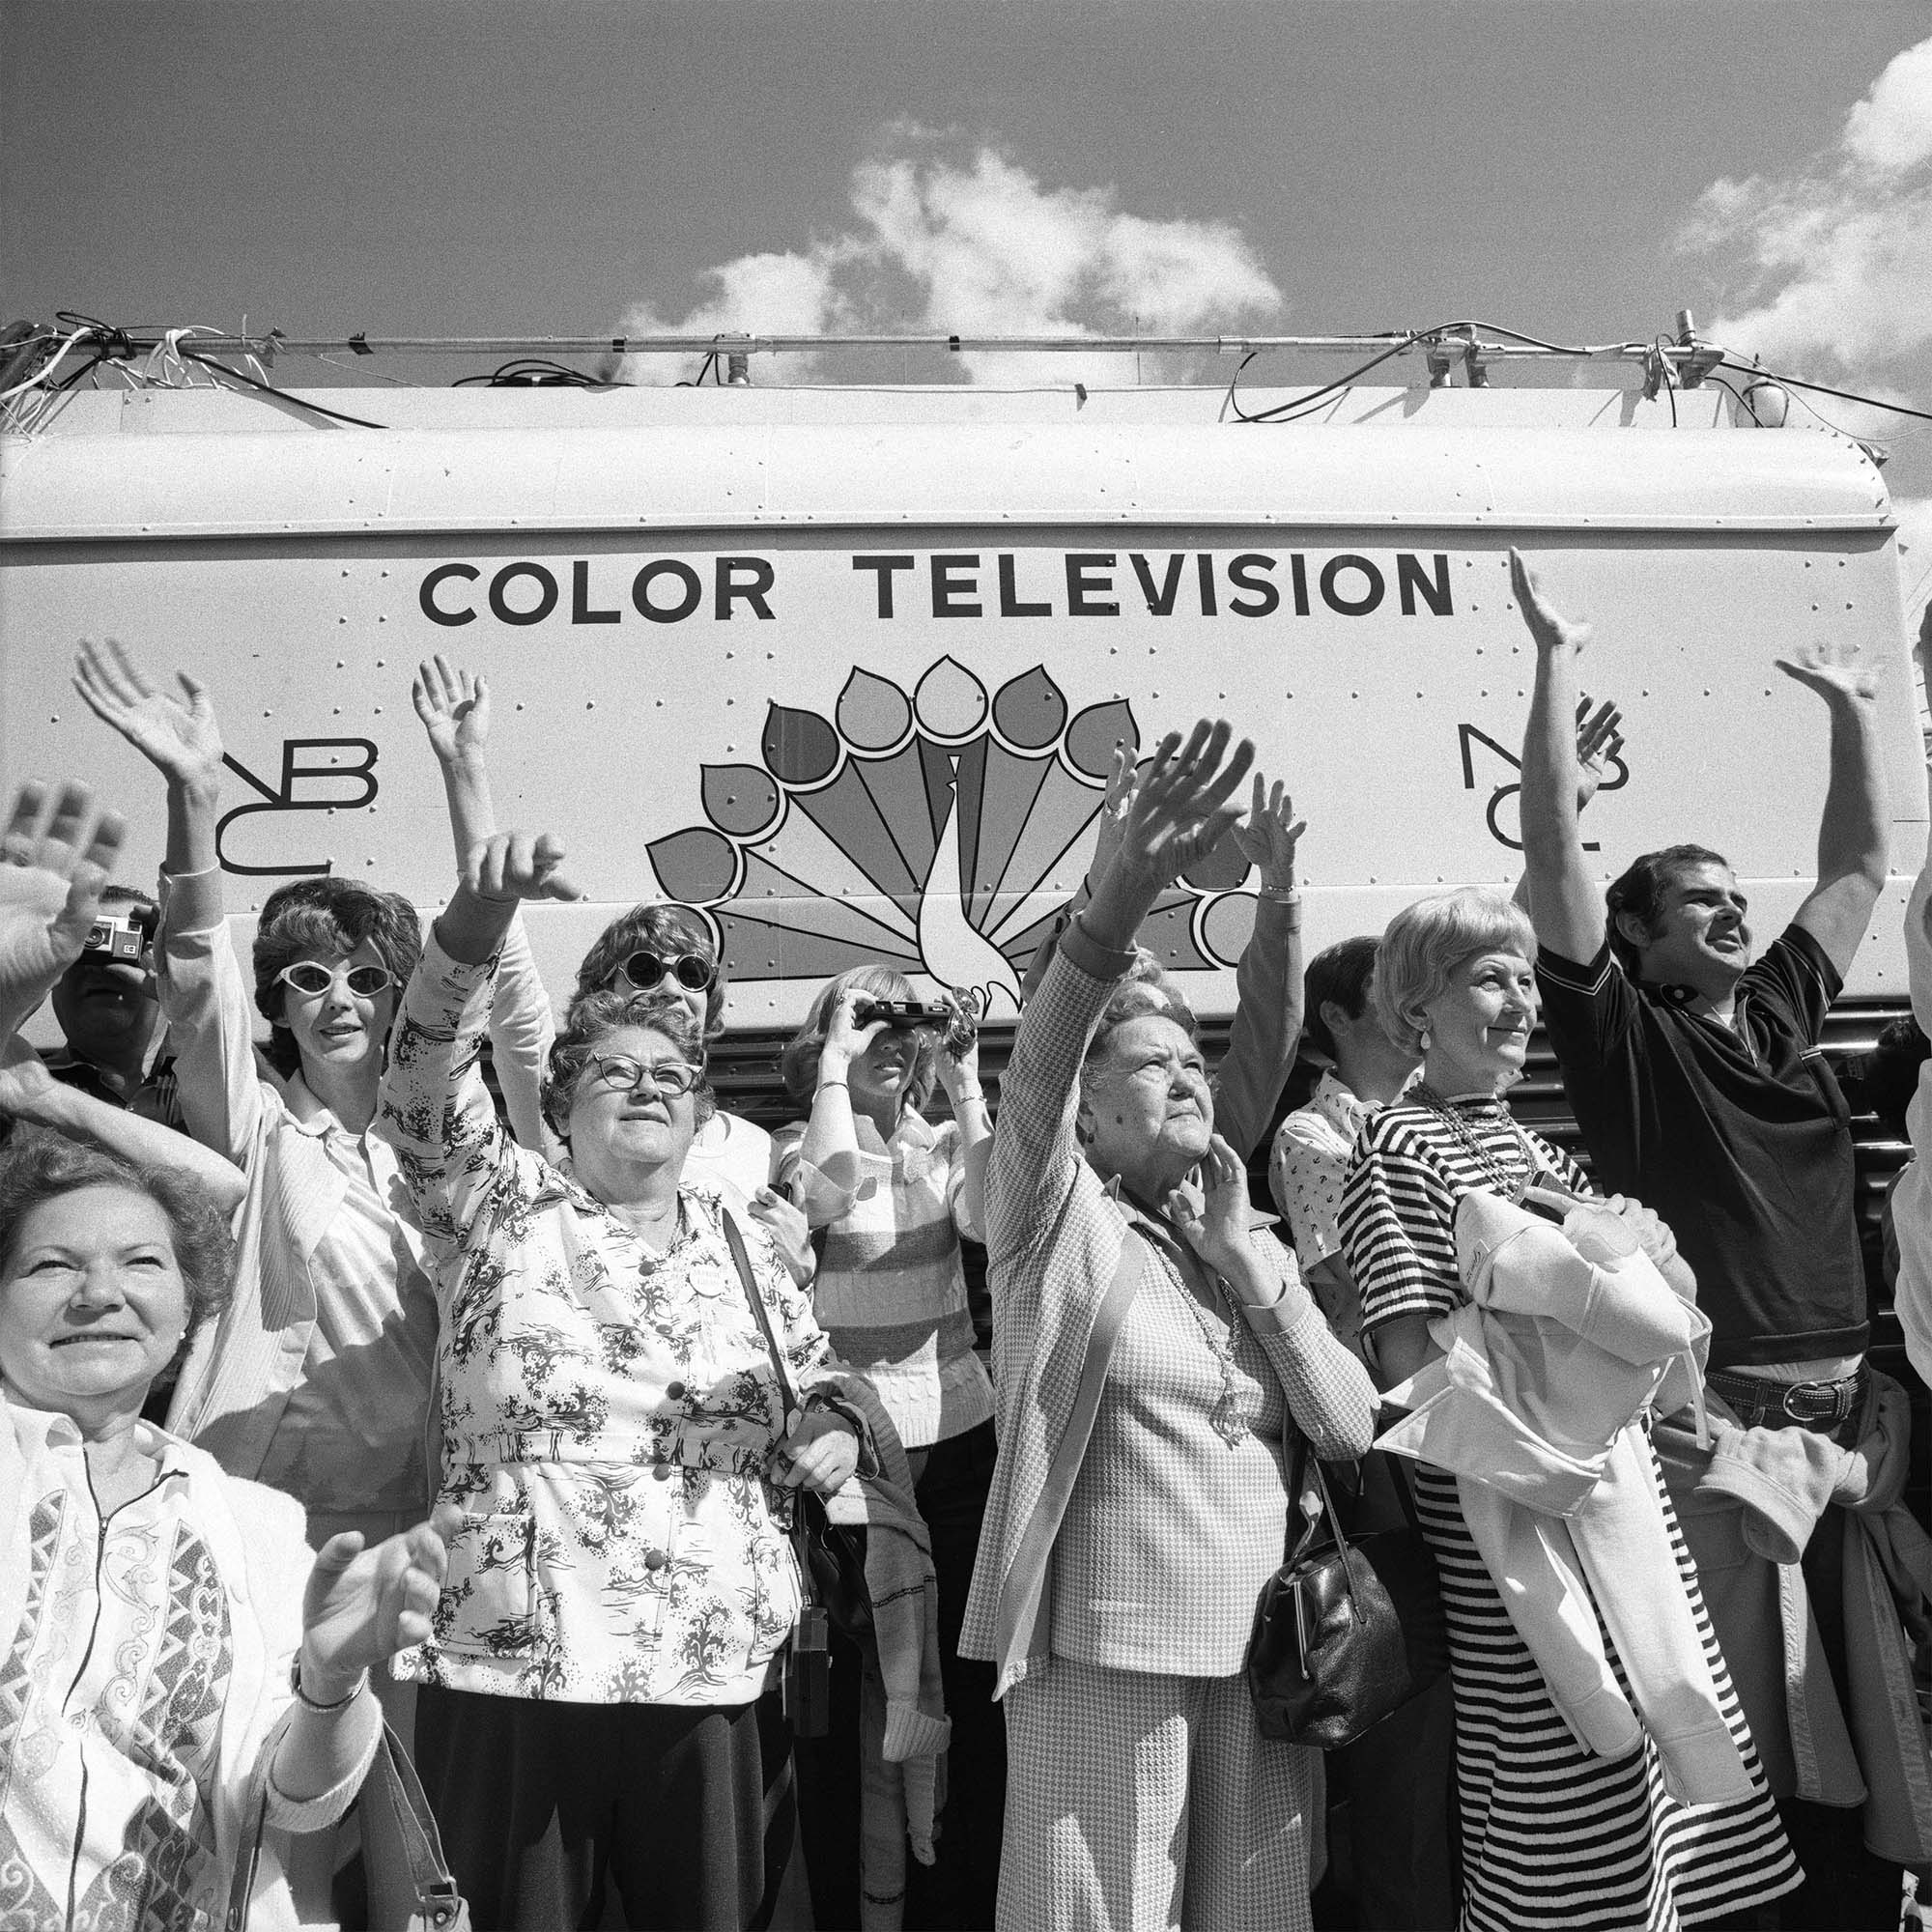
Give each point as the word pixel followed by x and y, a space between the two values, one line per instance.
pixel 608 1414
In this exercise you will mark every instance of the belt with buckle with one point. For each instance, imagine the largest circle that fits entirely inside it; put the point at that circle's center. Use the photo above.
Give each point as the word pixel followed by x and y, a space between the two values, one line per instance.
pixel 1768 1405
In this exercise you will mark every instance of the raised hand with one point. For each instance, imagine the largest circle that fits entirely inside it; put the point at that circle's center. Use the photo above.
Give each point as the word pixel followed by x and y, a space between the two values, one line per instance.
pixel 454 706
pixel 1113 815
pixel 55 856
pixel 177 735
pixel 957 1062
pixel 512 866
pixel 845 1040
pixel 786 1224
pixel 1271 835
pixel 1833 672
pixel 1212 1218
pixel 24 1084
pixel 1180 809
pixel 1599 739
pixel 1548 626
pixel 362 1606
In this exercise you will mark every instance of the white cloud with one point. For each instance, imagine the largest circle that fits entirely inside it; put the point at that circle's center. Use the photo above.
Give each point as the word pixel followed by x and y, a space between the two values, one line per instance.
pixel 975 246
pixel 1833 260
pixel 1827 272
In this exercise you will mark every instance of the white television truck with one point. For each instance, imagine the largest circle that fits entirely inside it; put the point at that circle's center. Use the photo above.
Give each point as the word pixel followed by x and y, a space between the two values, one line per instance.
pixel 841 666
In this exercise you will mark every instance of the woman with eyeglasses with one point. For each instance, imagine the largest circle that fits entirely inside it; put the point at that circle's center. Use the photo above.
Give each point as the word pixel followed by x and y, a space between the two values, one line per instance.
pixel 316 1379
pixel 617 1468
pixel 649 949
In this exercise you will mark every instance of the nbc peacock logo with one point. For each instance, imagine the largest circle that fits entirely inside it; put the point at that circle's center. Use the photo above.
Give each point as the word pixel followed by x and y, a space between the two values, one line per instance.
pixel 941 832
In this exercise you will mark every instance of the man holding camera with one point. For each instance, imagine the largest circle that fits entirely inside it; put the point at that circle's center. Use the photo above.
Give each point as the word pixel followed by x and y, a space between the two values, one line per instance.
pixel 105 1003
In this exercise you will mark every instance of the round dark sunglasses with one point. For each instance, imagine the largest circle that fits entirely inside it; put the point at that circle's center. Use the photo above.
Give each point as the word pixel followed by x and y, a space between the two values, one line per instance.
pixel 312 981
pixel 691 970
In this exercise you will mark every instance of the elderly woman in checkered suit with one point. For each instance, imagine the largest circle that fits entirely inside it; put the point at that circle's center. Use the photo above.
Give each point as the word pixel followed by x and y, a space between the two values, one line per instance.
pixel 1154 1356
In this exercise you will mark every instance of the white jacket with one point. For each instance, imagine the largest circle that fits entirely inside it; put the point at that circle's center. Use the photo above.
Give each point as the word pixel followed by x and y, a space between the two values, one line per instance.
pixel 1570 1334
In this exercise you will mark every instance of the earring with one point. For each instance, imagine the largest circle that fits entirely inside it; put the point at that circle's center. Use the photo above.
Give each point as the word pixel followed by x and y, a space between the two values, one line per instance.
pixel 1424 1040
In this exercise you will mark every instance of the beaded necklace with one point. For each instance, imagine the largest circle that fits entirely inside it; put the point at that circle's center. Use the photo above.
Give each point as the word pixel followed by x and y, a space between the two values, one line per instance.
pixel 1513 1186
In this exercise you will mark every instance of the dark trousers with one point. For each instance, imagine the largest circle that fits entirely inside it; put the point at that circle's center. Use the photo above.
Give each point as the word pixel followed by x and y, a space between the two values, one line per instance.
pixel 552 1814
pixel 960 1890
pixel 1844 1884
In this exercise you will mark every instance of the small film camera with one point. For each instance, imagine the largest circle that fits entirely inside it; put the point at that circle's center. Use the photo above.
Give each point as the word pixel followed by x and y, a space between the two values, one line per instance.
pixel 902 1016
pixel 119 937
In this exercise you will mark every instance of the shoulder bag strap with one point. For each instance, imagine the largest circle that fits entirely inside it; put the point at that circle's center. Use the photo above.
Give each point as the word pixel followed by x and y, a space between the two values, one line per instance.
pixel 786 1396
pixel 760 1311
pixel 399 1828
pixel 247 1857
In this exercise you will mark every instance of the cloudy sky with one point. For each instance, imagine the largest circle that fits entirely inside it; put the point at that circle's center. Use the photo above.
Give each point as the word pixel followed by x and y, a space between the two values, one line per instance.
pixel 1579 169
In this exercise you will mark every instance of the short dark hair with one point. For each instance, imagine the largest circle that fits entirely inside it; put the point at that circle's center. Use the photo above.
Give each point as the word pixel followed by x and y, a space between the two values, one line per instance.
pixel 799 1062
pixel 654 928
pixel 39 1165
pixel 1340 973
pixel 326 915
pixel 592 1020
pixel 1641 892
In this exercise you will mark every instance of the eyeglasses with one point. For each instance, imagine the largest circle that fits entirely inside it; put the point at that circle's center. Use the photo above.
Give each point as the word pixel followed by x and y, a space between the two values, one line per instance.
pixel 311 979
pixel 673 1078
pixel 691 970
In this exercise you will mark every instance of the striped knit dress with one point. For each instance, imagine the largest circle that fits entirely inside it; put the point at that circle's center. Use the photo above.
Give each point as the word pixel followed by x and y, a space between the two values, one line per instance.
pixel 1553 1836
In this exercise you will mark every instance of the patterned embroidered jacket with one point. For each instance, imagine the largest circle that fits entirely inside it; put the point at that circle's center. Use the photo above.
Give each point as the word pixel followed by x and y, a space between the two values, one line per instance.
pixel 145 1690
pixel 607 1415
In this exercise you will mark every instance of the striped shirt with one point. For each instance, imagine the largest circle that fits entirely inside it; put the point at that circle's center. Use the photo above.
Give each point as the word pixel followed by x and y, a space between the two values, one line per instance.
pixel 1553 1836
pixel 891 1290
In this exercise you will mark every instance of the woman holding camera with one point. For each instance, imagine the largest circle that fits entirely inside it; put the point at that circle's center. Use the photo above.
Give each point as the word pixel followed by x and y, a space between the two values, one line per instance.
pixel 888 1196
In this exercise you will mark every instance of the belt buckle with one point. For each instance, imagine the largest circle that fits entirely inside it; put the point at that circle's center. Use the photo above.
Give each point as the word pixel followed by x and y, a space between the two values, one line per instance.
pixel 1814 1403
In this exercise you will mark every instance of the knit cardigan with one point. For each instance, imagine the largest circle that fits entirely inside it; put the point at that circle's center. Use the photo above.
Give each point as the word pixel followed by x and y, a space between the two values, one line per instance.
pixel 1056 1237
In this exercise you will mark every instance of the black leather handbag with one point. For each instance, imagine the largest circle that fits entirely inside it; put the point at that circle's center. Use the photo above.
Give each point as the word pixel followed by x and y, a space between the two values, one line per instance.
pixel 1348 1629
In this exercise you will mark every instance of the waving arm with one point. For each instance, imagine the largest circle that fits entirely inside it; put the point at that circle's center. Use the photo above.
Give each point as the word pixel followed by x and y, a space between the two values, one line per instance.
pixel 1565 906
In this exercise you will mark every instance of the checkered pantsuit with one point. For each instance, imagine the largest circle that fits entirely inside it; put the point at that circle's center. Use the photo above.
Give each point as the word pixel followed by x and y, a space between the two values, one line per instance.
pixel 1138 1803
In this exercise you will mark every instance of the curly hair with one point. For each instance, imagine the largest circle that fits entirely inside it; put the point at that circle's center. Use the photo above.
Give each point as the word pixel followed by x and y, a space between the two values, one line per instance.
pixel 592 1020
pixel 39 1165
pixel 1426 941
pixel 1640 891
pixel 326 915
pixel 1141 996
pixel 799 1062
pixel 653 929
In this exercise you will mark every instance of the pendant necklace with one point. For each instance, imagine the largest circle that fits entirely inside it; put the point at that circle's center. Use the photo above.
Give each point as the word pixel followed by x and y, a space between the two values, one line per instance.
pixel 1225 1418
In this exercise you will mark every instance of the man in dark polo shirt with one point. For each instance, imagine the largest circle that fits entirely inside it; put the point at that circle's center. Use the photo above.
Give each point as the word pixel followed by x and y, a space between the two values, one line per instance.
pixel 1696 1079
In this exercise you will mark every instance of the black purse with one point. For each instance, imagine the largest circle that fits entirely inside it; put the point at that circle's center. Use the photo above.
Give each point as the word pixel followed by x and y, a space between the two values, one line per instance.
pixel 831 1555
pixel 1346 1632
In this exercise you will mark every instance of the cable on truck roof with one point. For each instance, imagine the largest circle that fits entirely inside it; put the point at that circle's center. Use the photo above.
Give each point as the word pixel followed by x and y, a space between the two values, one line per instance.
pixel 43 362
